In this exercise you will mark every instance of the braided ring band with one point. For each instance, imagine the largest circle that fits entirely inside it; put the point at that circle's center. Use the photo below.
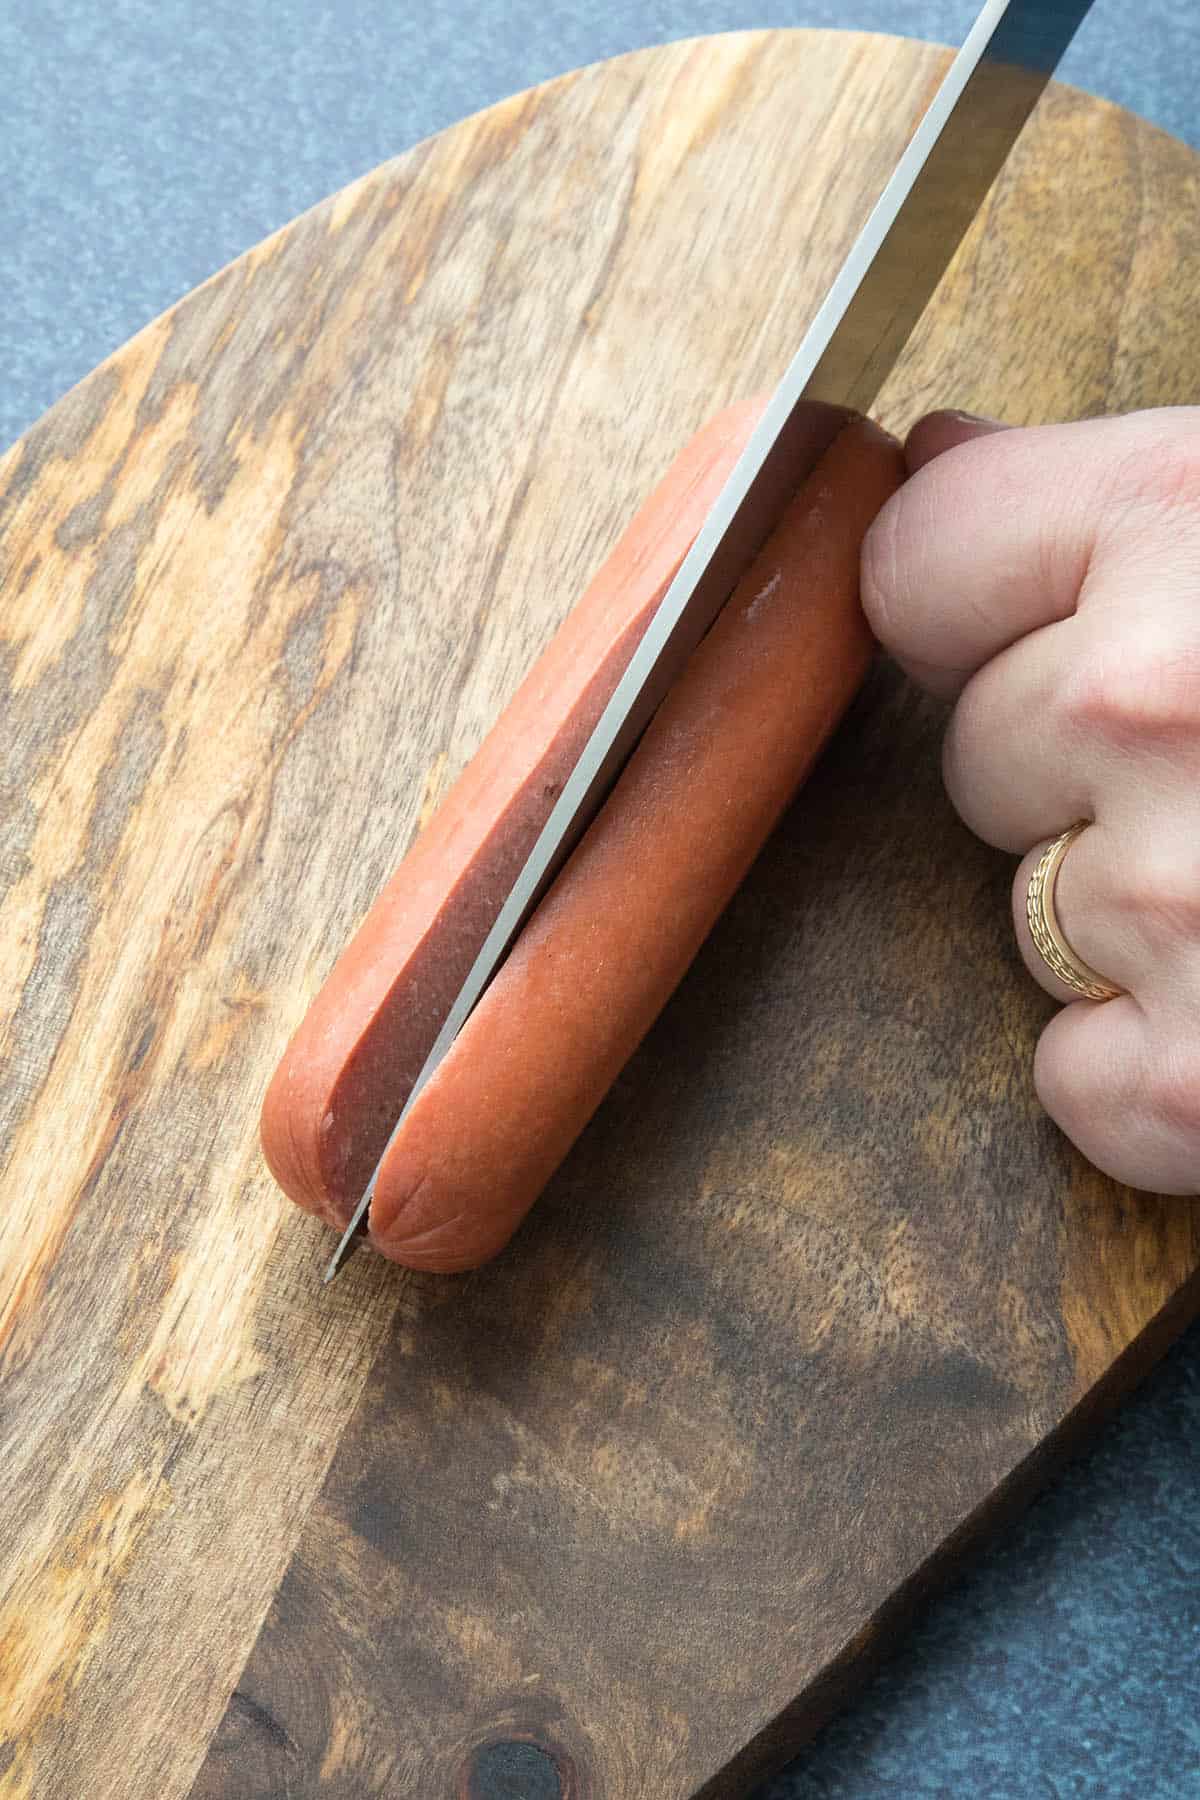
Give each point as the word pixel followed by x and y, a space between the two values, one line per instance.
pixel 1047 934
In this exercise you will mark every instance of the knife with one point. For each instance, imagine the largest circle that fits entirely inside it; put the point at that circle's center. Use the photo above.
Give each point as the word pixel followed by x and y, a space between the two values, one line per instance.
pixel 847 354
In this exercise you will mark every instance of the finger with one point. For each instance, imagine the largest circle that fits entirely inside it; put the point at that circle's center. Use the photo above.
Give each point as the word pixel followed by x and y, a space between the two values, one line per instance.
pixel 994 537
pixel 1125 1093
pixel 1084 718
pixel 1015 763
pixel 932 436
pixel 1096 716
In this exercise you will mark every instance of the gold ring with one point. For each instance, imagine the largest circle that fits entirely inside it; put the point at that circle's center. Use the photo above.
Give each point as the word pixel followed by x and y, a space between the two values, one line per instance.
pixel 1052 946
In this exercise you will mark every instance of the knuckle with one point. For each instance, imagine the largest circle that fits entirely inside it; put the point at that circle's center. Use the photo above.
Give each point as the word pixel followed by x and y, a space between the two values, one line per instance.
pixel 1163 467
pixel 1161 895
pixel 1136 686
pixel 1175 1092
pixel 881 578
pixel 969 765
pixel 1052 1078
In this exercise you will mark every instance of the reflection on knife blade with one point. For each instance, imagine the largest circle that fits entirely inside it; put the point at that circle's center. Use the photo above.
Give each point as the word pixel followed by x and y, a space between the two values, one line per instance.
pixel 848 352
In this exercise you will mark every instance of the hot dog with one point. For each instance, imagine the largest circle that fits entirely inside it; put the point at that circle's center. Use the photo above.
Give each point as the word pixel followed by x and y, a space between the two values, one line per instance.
pixel 592 969
pixel 348 1069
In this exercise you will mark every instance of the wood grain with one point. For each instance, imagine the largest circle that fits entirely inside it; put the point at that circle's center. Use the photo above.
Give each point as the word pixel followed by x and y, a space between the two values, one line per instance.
pixel 820 1287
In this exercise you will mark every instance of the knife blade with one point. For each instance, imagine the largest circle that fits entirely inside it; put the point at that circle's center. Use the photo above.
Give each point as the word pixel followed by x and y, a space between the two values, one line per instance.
pixel 846 355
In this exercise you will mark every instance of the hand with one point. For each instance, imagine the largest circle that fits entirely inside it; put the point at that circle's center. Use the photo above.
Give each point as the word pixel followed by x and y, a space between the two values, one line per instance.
pixel 1048 581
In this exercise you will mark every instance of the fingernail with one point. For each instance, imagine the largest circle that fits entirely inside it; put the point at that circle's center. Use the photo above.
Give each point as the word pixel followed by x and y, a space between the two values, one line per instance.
pixel 968 418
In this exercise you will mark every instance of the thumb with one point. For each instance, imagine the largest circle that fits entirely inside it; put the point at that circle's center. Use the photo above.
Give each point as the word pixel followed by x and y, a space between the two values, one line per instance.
pixel 938 432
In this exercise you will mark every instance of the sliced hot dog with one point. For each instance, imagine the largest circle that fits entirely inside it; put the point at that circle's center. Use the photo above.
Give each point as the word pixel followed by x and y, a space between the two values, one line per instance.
pixel 722 758
pixel 347 1071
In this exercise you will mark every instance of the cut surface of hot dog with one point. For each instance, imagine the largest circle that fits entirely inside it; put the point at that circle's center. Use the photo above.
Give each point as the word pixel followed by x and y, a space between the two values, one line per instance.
pixel 719 763
pixel 350 1065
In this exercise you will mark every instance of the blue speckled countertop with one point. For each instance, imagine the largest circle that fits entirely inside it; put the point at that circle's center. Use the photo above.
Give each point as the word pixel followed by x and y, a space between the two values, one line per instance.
pixel 143 143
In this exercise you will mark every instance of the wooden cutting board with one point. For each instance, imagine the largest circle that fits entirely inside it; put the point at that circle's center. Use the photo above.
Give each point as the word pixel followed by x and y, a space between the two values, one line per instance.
pixel 821 1290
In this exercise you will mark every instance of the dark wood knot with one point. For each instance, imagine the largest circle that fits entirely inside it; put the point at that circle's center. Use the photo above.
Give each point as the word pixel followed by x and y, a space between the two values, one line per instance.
pixel 517 1769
